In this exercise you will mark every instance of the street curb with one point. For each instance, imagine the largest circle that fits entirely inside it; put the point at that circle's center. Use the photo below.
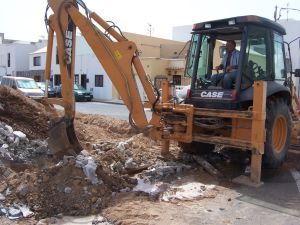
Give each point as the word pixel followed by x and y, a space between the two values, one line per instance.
pixel 108 102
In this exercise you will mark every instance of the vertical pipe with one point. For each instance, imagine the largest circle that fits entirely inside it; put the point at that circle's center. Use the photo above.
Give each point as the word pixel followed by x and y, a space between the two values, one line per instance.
pixel 48 59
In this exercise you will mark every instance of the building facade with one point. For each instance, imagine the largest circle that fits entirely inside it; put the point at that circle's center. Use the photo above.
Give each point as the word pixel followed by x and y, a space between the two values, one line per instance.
pixel 14 56
pixel 161 59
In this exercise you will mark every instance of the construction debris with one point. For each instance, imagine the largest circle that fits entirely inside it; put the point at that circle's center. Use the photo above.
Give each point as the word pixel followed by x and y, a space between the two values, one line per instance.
pixel 206 166
pixel 115 159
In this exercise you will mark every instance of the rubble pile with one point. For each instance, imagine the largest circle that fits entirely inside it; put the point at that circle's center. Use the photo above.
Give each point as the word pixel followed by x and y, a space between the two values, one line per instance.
pixel 18 152
pixel 115 160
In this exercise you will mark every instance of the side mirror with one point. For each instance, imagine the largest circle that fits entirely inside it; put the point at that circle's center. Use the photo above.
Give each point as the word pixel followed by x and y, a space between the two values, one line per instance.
pixel 14 87
pixel 297 72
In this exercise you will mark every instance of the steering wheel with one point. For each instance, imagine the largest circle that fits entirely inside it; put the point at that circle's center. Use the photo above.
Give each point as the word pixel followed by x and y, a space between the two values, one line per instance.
pixel 255 67
pixel 201 82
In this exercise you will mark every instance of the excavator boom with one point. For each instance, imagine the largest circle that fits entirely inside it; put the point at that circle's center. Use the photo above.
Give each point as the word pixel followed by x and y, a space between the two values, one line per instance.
pixel 119 58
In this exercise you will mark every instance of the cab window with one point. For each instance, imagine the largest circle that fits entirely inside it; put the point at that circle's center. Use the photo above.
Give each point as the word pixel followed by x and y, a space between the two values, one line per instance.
pixel 279 57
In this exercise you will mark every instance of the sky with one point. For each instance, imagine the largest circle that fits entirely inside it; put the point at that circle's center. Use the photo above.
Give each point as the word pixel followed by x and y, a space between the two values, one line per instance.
pixel 24 19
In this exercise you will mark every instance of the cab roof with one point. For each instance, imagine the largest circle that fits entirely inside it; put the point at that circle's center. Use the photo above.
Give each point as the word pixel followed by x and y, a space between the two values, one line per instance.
pixel 239 21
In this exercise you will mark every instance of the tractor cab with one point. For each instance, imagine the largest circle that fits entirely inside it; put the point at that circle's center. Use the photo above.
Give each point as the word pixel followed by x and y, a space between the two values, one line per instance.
pixel 260 46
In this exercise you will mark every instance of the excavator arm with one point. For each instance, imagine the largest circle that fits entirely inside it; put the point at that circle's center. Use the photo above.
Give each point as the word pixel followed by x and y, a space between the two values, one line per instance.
pixel 119 58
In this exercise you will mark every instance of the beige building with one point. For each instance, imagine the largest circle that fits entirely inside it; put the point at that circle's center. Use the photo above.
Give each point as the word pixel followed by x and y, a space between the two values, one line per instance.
pixel 161 59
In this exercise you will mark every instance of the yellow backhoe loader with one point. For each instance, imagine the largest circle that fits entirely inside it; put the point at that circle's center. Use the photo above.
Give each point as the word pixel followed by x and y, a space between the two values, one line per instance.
pixel 260 113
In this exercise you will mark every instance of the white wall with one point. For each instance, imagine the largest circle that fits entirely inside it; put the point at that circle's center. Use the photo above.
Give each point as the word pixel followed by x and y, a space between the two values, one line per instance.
pixel 22 50
pixel 89 64
pixel 18 57
pixel 85 63
pixel 182 33
pixel 292 32
pixel 3 60
pixel 43 61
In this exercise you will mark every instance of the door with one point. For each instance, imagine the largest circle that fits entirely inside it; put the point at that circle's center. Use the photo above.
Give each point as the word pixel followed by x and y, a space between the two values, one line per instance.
pixel 176 79
pixel 83 80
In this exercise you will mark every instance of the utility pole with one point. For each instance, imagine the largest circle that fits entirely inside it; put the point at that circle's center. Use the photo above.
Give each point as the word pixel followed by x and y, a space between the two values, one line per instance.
pixel 150 29
pixel 276 18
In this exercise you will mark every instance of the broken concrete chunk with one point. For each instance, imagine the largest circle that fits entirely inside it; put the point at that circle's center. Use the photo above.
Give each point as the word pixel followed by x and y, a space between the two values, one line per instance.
pixel 9 129
pixel 2 197
pixel 122 146
pixel 84 153
pixel 5 146
pixel 16 141
pixel 3 132
pixel 130 164
pixel 20 135
pixel 3 211
pixel 26 211
pixel 10 140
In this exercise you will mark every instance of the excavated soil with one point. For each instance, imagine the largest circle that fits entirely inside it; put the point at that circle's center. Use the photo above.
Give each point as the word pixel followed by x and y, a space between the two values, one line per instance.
pixel 23 113
pixel 49 188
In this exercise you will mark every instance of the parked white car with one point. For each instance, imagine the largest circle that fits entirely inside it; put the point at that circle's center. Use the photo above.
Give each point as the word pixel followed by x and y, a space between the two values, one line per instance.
pixel 23 84
pixel 182 92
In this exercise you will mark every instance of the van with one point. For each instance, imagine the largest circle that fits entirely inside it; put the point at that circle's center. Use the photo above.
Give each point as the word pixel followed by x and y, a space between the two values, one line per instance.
pixel 23 84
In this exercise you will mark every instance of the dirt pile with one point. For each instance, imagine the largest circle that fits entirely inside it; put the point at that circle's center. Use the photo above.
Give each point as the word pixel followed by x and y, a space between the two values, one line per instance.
pixel 115 160
pixel 23 113
pixel 78 185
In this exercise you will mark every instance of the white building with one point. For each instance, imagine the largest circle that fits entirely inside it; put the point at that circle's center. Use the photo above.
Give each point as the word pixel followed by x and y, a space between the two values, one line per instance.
pixel 88 71
pixel 292 33
pixel 14 56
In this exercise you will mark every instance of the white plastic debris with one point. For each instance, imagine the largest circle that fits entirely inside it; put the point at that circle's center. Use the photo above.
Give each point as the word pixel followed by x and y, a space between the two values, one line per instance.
pixel 14 213
pixel 90 171
pixel 145 185
pixel 185 192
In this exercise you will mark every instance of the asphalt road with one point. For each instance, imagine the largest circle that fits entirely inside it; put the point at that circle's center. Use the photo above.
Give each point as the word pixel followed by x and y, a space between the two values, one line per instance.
pixel 117 111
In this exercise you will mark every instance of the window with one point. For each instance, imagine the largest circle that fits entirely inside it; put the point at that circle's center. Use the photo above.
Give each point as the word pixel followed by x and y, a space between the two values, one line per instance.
pixel 8 60
pixel 278 57
pixel 192 55
pixel 257 66
pixel 76 78
pixel 57 80
pixel 176 79
pixel 98 80
pixel 37 61
pixel 27 84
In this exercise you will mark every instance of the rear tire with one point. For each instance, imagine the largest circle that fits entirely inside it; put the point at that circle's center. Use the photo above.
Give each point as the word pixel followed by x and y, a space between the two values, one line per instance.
pixel 278 133
pixel 198 148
